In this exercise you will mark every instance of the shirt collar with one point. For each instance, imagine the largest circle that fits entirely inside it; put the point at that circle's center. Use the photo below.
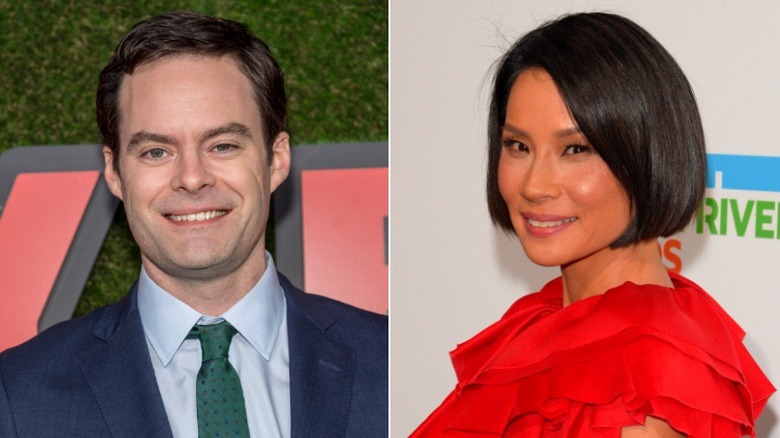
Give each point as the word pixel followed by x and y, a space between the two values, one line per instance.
pixel 257 316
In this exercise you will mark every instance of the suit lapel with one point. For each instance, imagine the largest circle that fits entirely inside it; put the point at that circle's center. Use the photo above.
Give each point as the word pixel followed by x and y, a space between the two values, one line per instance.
pixel 321 370
pixel 121 376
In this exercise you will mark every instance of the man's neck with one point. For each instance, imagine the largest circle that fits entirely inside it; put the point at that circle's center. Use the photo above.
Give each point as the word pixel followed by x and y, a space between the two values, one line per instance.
pixel 209 295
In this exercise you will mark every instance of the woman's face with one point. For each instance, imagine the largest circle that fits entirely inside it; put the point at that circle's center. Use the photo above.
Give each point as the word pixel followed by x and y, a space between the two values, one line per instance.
pixel 565 204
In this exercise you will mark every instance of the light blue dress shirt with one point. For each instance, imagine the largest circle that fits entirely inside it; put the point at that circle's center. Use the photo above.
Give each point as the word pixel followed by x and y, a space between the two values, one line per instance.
pixel 259 352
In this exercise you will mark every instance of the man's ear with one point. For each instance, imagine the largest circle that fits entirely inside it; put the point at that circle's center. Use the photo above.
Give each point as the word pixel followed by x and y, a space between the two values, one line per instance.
pixel 112 177
pixel 280 162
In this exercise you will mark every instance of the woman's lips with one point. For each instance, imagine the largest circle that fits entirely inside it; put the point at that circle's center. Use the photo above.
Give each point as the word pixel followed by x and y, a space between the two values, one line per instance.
pixel 541 225
pixel 548 224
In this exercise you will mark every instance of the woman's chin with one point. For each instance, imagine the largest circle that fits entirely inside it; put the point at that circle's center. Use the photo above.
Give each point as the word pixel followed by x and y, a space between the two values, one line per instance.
pixel 543 259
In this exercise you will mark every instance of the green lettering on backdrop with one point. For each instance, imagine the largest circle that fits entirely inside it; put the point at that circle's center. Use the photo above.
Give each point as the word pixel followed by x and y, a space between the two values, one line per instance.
pixel 741 223
pixel 764 219
pixel 712 217
pixel 709 218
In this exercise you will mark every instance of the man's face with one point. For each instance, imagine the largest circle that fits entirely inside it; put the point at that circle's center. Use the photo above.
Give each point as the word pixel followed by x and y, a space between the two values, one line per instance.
pixel 192 167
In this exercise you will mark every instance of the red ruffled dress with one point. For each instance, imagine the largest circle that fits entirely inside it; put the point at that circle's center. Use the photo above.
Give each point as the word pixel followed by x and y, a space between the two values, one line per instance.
pixel 604 363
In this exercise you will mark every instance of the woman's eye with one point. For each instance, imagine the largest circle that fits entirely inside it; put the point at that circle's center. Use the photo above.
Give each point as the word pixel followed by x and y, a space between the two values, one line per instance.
pixel 514 145
pixel 576 149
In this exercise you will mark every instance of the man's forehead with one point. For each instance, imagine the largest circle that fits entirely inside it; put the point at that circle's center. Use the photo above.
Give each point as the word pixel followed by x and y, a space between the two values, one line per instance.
pixel 183 63
pixel 205 91
pixel 186 56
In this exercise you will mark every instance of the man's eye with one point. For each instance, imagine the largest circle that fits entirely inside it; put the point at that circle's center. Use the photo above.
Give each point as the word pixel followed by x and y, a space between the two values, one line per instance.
pixel 224 147
pixel 155 153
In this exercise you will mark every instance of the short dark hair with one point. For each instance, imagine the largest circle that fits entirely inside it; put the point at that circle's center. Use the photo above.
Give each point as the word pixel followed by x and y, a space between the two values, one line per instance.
pixel 632 103
pixel 188 33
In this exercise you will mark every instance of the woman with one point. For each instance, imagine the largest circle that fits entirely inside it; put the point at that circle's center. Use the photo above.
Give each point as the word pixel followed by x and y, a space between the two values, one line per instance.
pixel 595 150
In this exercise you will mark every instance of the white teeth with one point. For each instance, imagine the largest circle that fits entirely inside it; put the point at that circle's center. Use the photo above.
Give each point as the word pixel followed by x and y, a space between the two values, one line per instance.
pixel 540 224
pixel 201 216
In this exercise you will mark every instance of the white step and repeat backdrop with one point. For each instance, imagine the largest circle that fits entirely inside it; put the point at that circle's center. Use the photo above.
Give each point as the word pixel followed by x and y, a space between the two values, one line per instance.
pixel 452 274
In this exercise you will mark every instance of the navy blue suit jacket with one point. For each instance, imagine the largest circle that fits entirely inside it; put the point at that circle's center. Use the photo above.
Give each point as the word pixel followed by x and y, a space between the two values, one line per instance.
pixel 93 377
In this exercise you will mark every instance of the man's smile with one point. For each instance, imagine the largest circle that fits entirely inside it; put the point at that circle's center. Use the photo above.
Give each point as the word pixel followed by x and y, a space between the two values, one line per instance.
pixel 196 217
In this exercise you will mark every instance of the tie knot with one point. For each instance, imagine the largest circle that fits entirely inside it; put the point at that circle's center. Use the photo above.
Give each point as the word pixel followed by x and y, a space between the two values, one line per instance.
pixel 214 339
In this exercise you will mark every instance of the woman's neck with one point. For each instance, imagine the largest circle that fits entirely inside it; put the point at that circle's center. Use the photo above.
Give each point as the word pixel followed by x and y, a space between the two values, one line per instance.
pixel 597 273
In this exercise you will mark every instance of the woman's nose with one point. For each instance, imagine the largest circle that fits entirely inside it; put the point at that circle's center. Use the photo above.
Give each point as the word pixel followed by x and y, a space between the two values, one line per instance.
pixel 541 180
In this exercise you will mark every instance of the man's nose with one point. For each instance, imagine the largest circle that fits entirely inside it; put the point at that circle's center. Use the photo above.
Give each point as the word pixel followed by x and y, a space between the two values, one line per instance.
pixel 192 172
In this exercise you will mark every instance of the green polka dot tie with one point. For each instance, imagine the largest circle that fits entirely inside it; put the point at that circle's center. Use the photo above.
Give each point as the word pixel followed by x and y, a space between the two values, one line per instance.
pixel 221 411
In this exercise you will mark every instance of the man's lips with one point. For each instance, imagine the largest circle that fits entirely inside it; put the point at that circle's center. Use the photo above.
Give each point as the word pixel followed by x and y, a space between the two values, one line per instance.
pixel 196 217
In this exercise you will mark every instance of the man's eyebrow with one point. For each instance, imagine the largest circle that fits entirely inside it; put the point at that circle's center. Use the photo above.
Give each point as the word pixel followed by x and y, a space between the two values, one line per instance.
pixel 143 136
pixel 230 128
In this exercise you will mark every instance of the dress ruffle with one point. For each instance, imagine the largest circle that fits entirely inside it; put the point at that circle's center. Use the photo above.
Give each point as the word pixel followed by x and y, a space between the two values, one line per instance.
pixel 604 363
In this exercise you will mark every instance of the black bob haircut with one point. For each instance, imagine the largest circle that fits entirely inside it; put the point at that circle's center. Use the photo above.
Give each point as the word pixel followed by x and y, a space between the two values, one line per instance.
pixel 632 103
pixel 188 33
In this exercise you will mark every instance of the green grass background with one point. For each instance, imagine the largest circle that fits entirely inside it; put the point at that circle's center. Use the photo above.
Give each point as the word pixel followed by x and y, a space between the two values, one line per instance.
pixel 333 54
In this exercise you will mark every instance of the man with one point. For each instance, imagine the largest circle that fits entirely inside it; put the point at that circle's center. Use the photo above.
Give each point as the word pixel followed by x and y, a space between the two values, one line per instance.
pixel 211 339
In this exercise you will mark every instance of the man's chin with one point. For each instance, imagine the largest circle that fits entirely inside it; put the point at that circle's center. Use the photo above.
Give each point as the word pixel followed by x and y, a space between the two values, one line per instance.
pixel 194 266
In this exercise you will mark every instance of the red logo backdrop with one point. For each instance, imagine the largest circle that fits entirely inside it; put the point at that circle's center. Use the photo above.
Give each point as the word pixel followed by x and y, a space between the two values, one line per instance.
pixel 344 247
pixel 37 228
